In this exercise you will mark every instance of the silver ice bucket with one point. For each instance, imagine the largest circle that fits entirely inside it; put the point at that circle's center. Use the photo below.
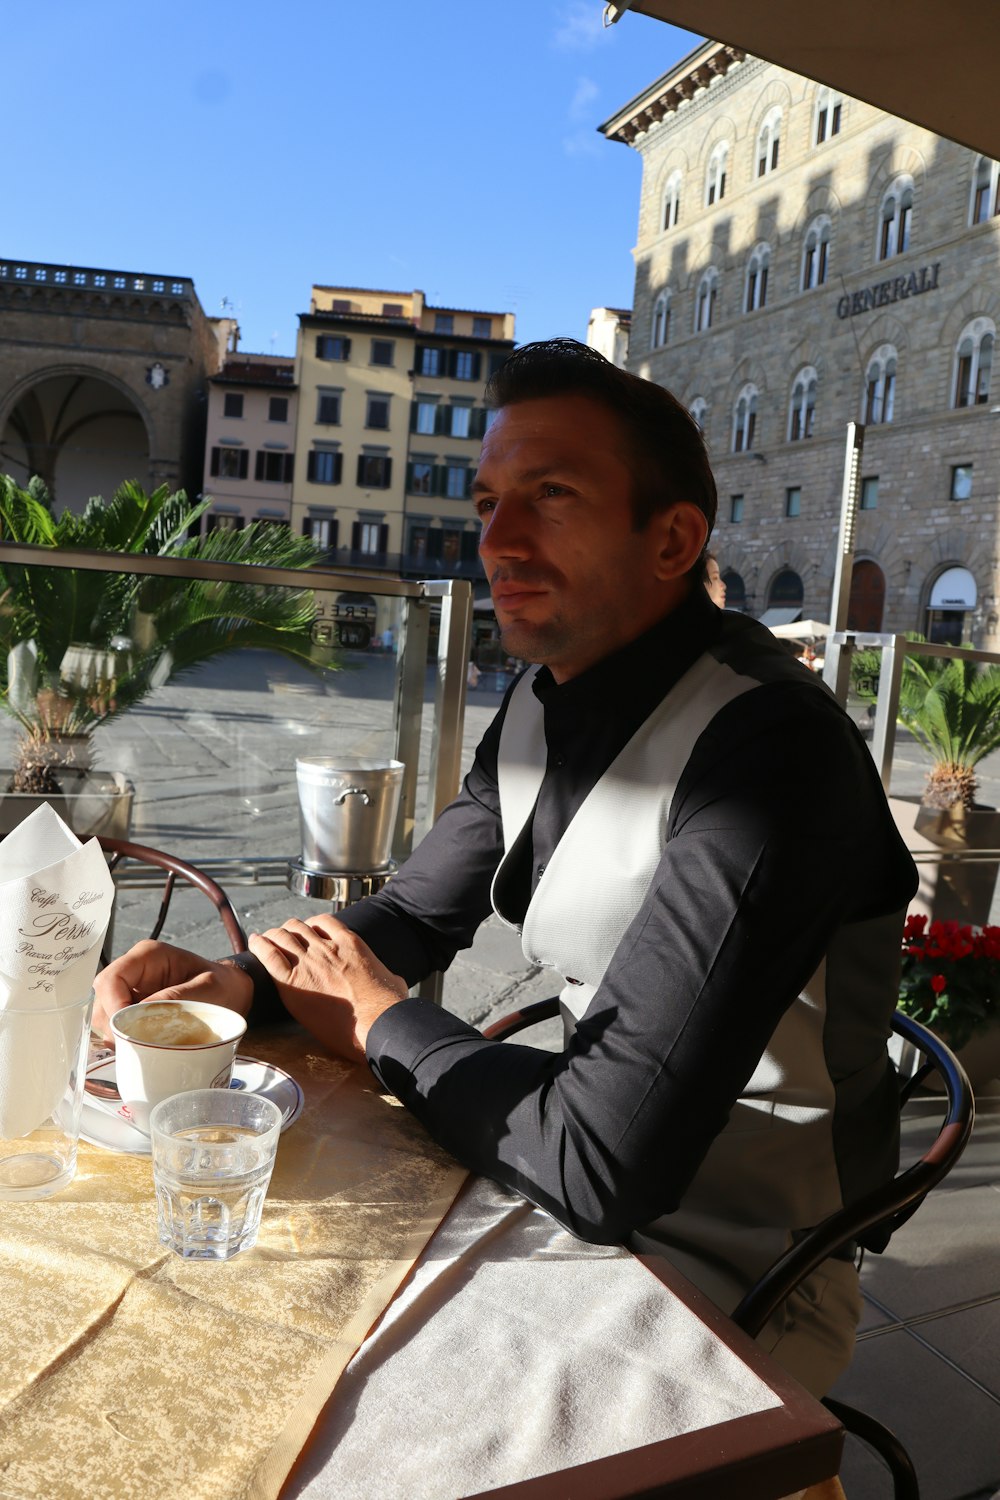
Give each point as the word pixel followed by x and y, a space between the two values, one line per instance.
pixel 347 812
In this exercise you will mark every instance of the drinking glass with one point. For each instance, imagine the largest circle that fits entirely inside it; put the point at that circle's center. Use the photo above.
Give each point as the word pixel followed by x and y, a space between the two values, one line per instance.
pixel 43 1062
pixel 213 1152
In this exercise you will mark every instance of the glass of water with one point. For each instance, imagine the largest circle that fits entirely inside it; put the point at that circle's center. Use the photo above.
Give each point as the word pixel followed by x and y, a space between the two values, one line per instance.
pixel 213 1151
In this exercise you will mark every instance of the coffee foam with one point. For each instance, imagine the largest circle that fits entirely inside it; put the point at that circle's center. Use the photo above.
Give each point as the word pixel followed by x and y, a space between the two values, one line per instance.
pixel 167 1024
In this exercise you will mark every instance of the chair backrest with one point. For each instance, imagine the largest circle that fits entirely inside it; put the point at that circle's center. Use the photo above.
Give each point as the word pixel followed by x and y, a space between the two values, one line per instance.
pixel 174 869
pixel 872 1219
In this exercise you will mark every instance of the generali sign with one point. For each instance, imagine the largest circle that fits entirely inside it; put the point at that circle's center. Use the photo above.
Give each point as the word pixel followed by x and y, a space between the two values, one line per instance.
pixel 886 292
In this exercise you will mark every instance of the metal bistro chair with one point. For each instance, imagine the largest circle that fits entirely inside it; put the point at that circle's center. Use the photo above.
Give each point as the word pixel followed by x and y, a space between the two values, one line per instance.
pixel 174 869
pixel 869 1223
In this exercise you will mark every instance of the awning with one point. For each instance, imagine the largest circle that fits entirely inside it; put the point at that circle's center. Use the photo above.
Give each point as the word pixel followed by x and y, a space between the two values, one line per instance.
pixel 772 617
pixel 801 630
pixel 955 589
pixel 913 58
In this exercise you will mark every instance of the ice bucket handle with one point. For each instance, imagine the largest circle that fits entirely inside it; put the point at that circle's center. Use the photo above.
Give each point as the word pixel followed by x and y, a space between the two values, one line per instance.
pixel 352 791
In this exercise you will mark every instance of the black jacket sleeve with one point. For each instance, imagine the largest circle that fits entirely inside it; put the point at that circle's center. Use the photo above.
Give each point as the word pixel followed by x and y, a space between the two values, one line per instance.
pixel 779 833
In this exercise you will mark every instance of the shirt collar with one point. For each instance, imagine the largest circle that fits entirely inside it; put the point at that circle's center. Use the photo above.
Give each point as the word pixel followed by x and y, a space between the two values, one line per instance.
pixel 652 662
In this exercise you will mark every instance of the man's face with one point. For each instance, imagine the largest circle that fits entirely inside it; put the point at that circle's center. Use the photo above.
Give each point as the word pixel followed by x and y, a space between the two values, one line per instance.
pixel 571 580
pixel 714 583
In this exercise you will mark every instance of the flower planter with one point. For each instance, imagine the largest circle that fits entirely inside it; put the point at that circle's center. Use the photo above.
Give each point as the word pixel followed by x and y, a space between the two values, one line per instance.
pixel 90 803
pixel 980 1057
pixel 950 890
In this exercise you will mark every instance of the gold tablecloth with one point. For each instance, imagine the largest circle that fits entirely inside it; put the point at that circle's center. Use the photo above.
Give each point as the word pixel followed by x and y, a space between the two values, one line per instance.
pixel 127 1371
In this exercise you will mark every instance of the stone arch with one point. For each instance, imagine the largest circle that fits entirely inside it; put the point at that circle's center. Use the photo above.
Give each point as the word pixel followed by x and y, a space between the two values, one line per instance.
pixel 81 428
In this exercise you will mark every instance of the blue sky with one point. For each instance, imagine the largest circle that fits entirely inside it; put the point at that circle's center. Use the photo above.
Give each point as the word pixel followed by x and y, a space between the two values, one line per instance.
pixel 449 145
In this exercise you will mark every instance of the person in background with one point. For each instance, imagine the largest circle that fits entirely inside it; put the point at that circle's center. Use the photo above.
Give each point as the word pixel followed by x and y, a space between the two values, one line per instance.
pixel 472 675
pixel 685 828
pixel 714 581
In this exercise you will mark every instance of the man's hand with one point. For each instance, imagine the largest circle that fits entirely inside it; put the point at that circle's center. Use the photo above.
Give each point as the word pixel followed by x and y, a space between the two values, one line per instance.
pixel 158 971
pixel 329 979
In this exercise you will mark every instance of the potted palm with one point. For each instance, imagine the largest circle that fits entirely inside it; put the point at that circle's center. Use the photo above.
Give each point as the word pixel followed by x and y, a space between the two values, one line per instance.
pixel 951 706
pixel 78 648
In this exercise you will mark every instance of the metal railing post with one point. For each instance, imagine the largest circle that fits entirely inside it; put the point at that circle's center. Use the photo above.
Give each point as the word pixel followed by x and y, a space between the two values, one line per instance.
pixel 408 708
pixel 883 742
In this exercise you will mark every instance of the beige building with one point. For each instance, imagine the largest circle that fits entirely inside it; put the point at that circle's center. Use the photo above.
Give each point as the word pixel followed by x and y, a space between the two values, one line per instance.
pixel 390 421
pixel 103 378
pixel 804 260
pixel 250 440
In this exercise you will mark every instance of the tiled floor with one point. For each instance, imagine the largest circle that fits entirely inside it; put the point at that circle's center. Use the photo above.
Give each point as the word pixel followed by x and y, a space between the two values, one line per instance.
pixel 928 1357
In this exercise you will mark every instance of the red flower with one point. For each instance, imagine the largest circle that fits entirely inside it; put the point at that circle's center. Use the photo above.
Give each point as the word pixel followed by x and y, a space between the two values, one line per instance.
pixel 938 983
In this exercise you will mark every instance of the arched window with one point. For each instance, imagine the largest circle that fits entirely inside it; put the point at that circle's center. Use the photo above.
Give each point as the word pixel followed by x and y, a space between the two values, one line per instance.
pixel 745 419
pixel 815 253
pixel 894 218
pixel 715 180
pixel 736 589
pixel 786 590
pixel 880 386
pixel 661 321
pixel 829 108
pixel 757 268
pixel 671 201
pixel 769 142
pixel 985 191
pixel 699 411
pixel 802 411
pixel 973 364
pixel 704 306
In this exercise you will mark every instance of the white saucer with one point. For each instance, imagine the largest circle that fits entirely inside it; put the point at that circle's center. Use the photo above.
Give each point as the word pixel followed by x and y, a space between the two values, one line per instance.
pixel 102 1125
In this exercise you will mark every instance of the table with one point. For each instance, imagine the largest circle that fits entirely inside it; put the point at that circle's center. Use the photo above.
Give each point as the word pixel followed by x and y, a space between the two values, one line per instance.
pixel 511 1351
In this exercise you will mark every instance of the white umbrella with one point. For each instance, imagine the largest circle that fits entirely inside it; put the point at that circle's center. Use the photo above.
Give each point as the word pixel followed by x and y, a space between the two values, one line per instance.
pixel 800 630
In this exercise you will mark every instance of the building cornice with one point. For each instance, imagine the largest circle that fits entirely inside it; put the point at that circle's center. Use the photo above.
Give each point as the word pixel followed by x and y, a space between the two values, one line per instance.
pixel 692 74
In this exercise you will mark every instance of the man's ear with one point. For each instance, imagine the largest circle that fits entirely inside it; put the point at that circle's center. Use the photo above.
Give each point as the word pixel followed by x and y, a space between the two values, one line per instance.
pixel 680 533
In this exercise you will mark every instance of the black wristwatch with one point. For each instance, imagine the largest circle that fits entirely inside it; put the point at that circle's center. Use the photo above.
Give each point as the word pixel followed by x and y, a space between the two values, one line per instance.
pixel 266 1005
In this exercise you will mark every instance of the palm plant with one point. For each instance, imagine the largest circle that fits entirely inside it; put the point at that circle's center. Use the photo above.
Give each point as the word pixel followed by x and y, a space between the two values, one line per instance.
pixel 78 647
pixel 951 706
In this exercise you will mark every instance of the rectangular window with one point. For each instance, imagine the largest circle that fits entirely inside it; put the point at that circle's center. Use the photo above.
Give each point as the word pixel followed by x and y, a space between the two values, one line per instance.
pixel 793 501
pixel 392 309
pixel 418 541
pixel 461 416
pixel 332 346
pixel 274 468
pixel 277 409
pixel 482 328
pixel 465 363
pixel 374 471
pixel 735 509
pixel 869 492
pixel 223 523
pixel 322 529
pixel 378 412
pixel 961 482
pixel 368 537
pixel 230 463
pixel 835 120
pixel 451 546
pixel 328 408
pixel 430 361
pixel 421 478
pixel 426 417
pixel 444 323
pixel 383 352
pixel 324 466
pixel 456 480
pixel 232 405
pixel 342 305
pixel 821 126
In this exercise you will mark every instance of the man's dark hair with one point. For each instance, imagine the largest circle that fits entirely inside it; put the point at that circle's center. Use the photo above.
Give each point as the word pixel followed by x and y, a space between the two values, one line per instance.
pixel 668 457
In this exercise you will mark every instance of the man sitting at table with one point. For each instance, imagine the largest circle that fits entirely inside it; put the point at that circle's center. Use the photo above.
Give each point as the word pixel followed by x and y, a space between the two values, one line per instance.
pixel 686 827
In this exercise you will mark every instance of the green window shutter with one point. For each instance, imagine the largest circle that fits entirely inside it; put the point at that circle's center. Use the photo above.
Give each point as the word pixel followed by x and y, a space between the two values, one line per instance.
pixel 452 356
pixel 244 460
pixel 361 474
pixel 477 365
pixel 441 420
pixel 288 467
pixel 477 426
pixel 355 536
pixel 435 537
pixel 470 474
pixel 383 537
pixel 258 472
pixel 388 473
pixel 439 479
pixel 311 467
pixel 215 462
pixel 470 546
pixel 346 345
pixel 413 416
pixel 333 530
pixel 338 467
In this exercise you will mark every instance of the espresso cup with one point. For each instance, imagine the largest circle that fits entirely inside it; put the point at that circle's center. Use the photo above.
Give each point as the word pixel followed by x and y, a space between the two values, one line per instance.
pixel 162 1060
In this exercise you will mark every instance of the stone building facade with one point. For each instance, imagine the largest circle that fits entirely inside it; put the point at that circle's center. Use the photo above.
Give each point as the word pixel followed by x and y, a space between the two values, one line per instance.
pixel 104 377
pixel 804 261
pixel 250 440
